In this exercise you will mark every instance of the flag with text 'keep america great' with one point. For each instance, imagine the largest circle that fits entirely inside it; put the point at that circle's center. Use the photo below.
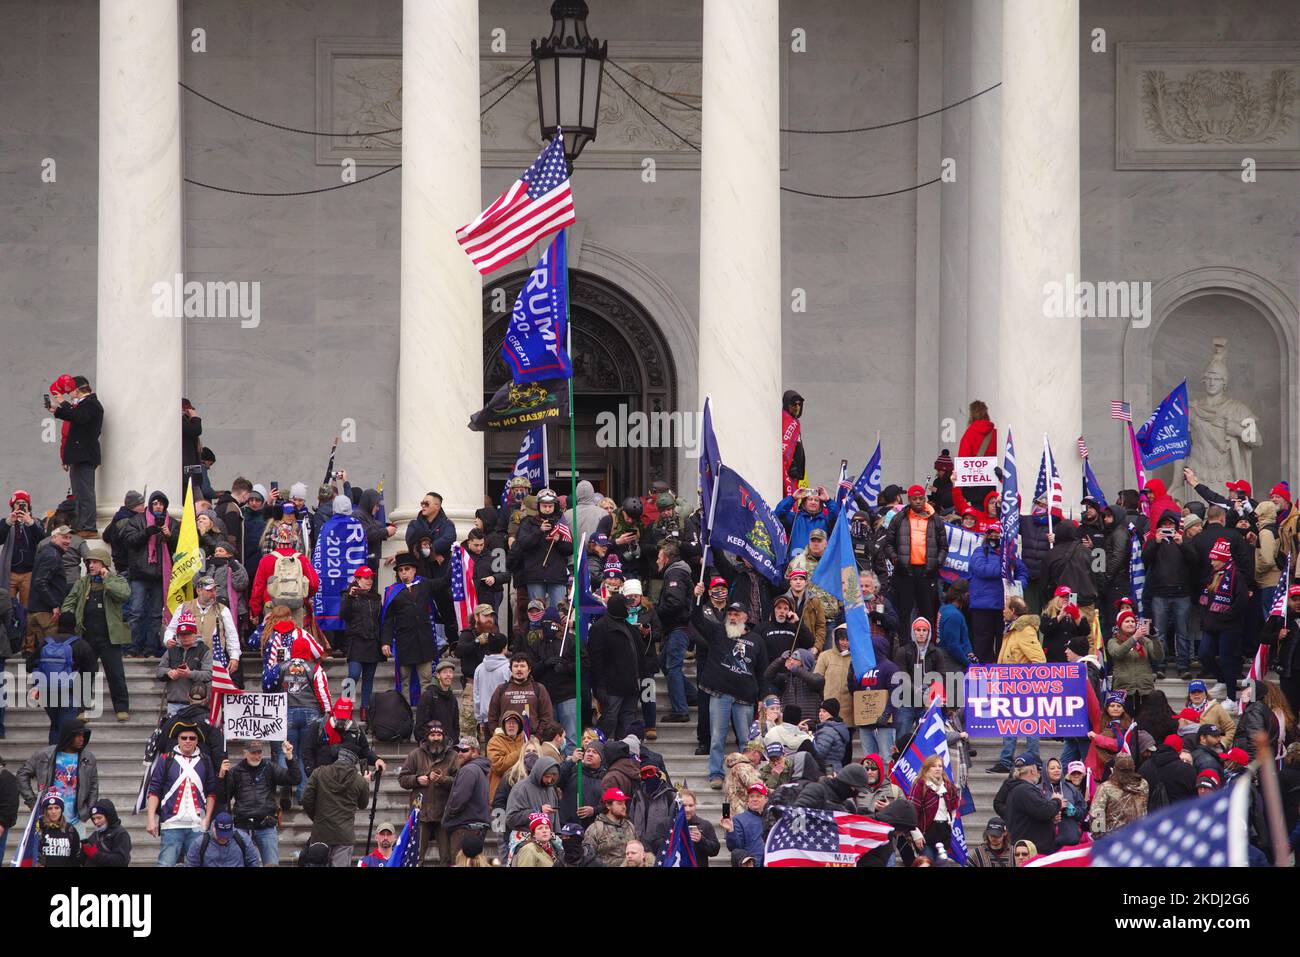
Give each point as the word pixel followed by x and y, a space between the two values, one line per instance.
pixel 744 525
pixel 806 837
pixel 534 345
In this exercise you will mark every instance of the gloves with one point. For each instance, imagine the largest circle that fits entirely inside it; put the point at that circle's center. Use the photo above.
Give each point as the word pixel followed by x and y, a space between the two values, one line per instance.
pixel 153 530
pixel 90 850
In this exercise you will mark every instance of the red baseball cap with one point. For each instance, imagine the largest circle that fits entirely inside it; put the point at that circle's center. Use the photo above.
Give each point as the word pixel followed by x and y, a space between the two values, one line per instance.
pixel 1240 486
pixel 613 794
pixel 363 572
pixel 1174 741
pixel 1236 756
pixel 717 580
pixel 758 787
pixel 915 490
pixel 343 709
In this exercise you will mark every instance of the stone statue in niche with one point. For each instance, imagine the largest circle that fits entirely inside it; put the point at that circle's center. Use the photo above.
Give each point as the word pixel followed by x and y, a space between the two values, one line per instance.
pixel 1223 430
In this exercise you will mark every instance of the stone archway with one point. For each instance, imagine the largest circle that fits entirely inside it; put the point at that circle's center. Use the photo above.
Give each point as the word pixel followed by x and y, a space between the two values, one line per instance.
pixel 622 364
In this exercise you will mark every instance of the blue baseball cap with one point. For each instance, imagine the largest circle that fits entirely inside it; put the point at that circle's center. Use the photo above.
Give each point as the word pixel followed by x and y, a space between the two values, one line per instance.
pixel 223 824
pixel 1197 685
pixel 600 538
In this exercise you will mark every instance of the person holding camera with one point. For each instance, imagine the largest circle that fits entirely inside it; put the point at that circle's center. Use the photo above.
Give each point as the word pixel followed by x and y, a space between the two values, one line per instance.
pixel 543 548
pixel 248 788
pixel 150 539
pixel 334 793
pixel 191 448
pixel 95 605
pixel 1170 561
pixel 20 535
pixel 80 453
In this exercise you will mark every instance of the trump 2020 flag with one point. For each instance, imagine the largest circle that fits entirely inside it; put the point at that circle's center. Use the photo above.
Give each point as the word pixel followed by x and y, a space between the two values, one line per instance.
pixel 710 462
pixel 1166 434
pixel 743 524
pixel 340 550
pixel 534 346
pixel 868 483
pixel 530 463
pixel 678 851
pixel 837 574
pixel 536 205
pixel 1010 511
pixel 1091 485
pixel 931 737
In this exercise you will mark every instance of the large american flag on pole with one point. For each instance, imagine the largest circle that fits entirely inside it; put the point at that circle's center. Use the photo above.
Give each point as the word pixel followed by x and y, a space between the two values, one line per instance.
pixel 804 837
pixel 463 594
pixel 537 204
pixel 1208 831
pixel 222 684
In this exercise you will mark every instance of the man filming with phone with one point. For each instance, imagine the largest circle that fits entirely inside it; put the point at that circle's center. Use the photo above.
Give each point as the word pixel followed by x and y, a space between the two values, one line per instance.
pixel 20 534
pixel 81 409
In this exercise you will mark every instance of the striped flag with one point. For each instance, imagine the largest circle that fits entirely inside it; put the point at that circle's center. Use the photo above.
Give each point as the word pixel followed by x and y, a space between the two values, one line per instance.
pixel 222 684
pixel 537 204
pixel 561 533
pixel 1137 569
pixel 1278 608
pixel 1056 497
pixel 845 485
pixel 678 851
pixel 1083 448
pixel 1121 410
pixel 463 594
pixel 406 852
pixel 806 837
pixel 28 847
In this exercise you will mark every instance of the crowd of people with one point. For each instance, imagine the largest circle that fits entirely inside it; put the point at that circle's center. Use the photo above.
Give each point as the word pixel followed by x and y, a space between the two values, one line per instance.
pixel 524 732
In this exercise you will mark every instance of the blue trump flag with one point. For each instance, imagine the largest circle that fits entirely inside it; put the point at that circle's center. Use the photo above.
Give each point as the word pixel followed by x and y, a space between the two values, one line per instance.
pixel 340 550
pixel 868 483
pixel 1166 434
pixel 1093 486
pixel 930 738
pixel 710 462
pixel 1010 510
pixel 743 524
pixel 406 852
pixel 678 851
pixel 534 346
pixel 837 574
pixel 530 462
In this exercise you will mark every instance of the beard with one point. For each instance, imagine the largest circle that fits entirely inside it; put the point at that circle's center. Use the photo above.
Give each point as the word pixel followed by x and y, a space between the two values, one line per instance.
pixel 735 630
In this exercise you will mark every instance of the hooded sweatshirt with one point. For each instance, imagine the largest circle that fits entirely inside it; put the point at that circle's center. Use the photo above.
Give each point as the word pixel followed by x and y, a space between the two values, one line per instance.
pixel 110 847
pixel 488 676
pixel 530 794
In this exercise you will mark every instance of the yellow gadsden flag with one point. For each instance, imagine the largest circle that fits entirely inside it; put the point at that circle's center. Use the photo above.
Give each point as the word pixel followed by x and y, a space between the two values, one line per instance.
pixel 188 559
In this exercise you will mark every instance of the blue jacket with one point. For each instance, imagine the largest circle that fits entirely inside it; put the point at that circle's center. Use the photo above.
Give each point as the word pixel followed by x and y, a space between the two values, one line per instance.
pixel 986 592
pixel 954 636
pixel 239 851
pixel 747 835
pixel 800 524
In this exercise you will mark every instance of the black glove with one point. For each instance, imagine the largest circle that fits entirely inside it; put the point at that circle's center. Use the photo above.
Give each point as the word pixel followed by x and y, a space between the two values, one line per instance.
pixel 153 530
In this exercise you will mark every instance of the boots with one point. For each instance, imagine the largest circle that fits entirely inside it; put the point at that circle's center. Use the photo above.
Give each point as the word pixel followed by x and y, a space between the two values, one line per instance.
pixel 365 715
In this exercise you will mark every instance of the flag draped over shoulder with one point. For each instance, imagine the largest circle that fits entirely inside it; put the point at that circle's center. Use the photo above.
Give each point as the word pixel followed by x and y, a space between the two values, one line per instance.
pixel 534 345
pixel 339 551
pixel 187 560
pixel 535 205
pixel 743 524
pixel 1166 434
pixel 837 575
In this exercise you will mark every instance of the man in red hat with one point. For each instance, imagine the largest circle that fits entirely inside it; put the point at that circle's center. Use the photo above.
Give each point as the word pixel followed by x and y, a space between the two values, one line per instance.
pixel 745 831
pixel 80 408
pixel 608 834
pixel 20 534
pixel 1225 602
pixel 330 732
pixel 918 544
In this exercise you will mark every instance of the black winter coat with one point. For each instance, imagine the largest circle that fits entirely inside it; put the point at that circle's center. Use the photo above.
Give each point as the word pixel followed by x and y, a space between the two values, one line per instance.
pixel 49 582
pixel 408 627
pixel 1169 566
pixel 135 536
pixel 615 649
pixel 250 792
pixel 530 557
pixel 1069 563
pixel 1167 768
pixel 557 672
pixel 1030 814
pixel 438 705
pixel 87 418
pixel 360 614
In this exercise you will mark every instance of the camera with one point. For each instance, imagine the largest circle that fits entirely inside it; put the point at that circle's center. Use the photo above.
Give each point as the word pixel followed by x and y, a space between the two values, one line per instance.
pixel 46 399
pixel 194 470
pixel 338 474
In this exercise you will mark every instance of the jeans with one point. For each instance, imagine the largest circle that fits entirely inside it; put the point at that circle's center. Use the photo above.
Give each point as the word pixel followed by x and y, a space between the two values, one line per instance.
pixel 58 718
pixel 1221 656
pixel 553 594
pixel 299 719
pixel 1181 645
pixel 146 617
pixel 725 711
pixel 1009 748
pixel 111 655
pixel 176 842
pixel 566 714
pixel 878 740
pixel 365 671
pixel 649 707
pixel 905 720
pixel 680 691
pixel 267 840
pixel 1075 749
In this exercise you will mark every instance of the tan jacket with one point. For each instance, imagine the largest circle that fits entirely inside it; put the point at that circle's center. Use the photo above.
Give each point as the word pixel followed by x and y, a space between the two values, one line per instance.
pixel 1021 645
pixel 837 669
pixel 1267 569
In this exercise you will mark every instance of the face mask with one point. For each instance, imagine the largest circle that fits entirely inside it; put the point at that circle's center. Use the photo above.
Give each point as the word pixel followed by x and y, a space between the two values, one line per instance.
pixel 426 552
pixel 633 614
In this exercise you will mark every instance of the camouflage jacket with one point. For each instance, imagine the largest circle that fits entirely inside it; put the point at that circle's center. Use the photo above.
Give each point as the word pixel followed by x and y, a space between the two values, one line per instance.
pixel 609 839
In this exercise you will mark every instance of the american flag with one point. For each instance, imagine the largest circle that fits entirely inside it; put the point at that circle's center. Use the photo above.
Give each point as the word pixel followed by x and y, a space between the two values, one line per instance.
pixel 463 594
pixel 1278 609
pixel 1206 831
pixel 537 204
pixel 561 533
pixel 222 684
pixel 406 852
pixel 804 837
pixel 1056 499
pixel 1121 410
pixel 1083 448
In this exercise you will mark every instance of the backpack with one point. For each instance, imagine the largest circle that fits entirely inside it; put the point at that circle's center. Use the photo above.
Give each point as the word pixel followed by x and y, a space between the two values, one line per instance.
pixel 239 839
pixel 287 585
pixel 56 660
pixel 390 716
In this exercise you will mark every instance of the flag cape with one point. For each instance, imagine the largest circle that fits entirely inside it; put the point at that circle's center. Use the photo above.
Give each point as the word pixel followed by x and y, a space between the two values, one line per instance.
pixel 187 560
pixel 390 593
pixel 837 575
pixel 743 524
pixel 710 462
pixel 534 344
pixel 1166 434
pixel 340 550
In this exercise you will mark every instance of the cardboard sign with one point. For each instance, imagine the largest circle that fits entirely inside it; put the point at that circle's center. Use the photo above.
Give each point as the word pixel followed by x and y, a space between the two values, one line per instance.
pixel 256 715
pixel 868 706
pixel 974 470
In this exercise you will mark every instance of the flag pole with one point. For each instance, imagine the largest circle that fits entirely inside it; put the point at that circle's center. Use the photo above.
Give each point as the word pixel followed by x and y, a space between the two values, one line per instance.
pixel 1047 473
pixel 573 505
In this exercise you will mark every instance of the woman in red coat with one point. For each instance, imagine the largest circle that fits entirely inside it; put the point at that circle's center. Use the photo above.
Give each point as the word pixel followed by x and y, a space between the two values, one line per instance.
pixel 936 800
pixel 979 440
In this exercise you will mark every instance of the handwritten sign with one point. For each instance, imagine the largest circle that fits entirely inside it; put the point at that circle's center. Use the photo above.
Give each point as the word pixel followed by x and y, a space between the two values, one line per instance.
pixel 256 716
pixel 868 706
pixel 974 470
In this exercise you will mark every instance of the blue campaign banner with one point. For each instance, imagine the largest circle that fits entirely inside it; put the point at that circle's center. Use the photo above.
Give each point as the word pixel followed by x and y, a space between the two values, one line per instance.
pixel 962 543
pixel 534 346
pixel 743 524
pixel 1027 701
pixel 340 550
pixel 1166 434
pixel 710 462
pixel 868 483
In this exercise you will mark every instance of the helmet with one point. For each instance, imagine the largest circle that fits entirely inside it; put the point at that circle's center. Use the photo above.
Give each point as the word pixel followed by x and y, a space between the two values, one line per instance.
pixel 633 508
pixel 546 495
pixel 520 481
pixel 665 500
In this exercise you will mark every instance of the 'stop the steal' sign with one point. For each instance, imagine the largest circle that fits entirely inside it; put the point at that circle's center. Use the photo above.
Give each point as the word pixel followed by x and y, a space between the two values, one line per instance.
pixel 1027 701
pixel 256 715
pixel 974 470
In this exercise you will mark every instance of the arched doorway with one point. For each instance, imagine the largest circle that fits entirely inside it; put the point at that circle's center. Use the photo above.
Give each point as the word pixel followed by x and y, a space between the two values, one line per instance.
pixel 622 366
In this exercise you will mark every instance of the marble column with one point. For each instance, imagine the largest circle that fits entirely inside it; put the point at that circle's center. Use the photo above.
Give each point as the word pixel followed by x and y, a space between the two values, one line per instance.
pixel 440 364
pixel 740 237
pixel 140 355
pixel 984 208
pixel 1040 383
pixel 930 77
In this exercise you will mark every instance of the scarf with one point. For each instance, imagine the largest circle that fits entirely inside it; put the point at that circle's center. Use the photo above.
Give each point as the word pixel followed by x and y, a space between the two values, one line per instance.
pixel 1218 599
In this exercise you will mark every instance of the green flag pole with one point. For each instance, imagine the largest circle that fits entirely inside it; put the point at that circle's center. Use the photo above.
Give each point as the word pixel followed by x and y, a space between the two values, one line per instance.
pixel 578 560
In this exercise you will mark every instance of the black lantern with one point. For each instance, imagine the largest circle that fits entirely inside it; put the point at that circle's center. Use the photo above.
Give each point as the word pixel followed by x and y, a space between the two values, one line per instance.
pixel 569 66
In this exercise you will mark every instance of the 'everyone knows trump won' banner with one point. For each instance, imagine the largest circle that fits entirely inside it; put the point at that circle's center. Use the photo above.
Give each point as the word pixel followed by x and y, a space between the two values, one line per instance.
pixel 1027 701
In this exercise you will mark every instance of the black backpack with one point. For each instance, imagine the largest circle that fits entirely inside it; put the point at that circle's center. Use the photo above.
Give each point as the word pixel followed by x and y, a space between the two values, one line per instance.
pixel 390 716
pixel 207 840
